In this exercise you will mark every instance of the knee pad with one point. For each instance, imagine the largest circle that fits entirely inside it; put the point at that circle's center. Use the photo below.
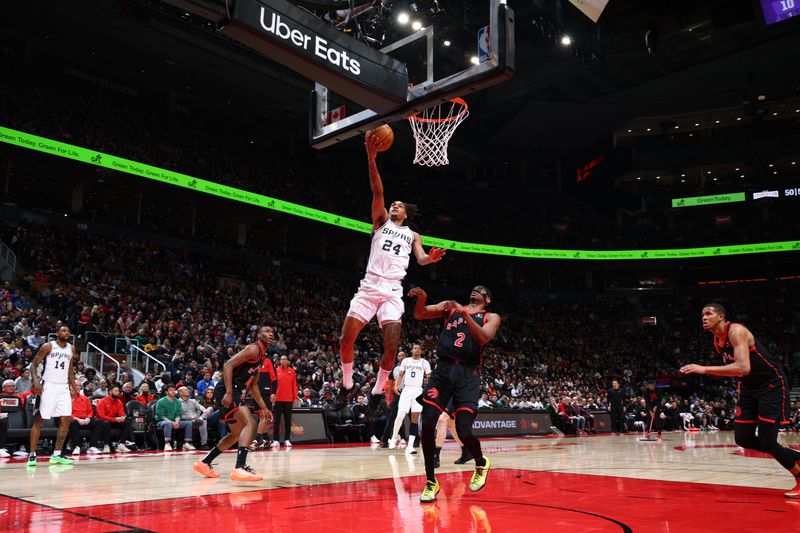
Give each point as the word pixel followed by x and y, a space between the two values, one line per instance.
pixel 464 424
pixel 746 438
pixel 429 416
pixel 768 438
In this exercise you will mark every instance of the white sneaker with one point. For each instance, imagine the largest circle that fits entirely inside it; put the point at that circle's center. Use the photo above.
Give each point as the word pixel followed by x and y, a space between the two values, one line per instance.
pixel 392 443
pixel 410 448
pixel 167 447
pixel 121 448
pixel 4 453
pixel 93 450
pixel 287 443
pixel 106 449
pixel 76 451
pixel 187 447
pixel 275 445
pixel 374 440
pixel 21 453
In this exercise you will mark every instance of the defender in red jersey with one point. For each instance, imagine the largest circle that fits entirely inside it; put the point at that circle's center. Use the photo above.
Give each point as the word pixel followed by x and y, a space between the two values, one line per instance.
pixel 240 379
pixel 465 331
pixel 763 393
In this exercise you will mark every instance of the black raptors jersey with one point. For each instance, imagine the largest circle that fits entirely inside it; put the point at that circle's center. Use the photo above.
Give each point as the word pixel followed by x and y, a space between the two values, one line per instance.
pixel 765 370
pixel 456 342
pixel 248 371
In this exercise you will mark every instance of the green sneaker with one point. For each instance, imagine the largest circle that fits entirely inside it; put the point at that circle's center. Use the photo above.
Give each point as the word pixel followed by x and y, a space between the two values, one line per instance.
pixel 60 460
pixel 31 460
pixel 430 491
pixel 479 477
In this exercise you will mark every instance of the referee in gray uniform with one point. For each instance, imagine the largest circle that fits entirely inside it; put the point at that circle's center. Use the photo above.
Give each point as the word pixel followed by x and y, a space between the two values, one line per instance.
pixel 387 432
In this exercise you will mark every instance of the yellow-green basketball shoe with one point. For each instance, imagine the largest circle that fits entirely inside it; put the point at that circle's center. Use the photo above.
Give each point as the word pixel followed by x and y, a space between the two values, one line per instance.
pixel 479 477
pixel 430 491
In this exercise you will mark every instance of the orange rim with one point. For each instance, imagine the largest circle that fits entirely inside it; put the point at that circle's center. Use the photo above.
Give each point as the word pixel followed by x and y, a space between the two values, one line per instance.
pixel 415 117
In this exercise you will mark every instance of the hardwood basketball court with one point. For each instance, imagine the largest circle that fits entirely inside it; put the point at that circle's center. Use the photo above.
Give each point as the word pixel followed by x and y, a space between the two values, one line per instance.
pixel 687 482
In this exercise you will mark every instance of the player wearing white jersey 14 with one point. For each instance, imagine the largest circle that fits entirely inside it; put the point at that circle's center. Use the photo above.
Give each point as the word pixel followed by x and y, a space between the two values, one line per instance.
pixel 381 291
pixel 54 390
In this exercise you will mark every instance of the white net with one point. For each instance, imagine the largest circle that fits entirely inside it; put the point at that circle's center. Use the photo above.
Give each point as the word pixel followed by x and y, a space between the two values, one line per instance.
pixel 433 128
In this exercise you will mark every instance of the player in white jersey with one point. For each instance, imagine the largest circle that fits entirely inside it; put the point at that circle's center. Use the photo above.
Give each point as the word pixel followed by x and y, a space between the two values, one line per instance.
pixel 381 291
pixel 414 373
pixel 54 388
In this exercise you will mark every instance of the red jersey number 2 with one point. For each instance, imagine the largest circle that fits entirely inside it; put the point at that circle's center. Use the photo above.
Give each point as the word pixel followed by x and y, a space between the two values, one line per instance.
pixel 459 340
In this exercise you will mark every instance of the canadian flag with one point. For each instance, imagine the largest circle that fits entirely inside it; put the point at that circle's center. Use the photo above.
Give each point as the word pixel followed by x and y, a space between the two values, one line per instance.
pixel 334 115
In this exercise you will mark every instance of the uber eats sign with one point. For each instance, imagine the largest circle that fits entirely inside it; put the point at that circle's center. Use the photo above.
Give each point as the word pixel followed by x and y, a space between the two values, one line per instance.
pixel 288 35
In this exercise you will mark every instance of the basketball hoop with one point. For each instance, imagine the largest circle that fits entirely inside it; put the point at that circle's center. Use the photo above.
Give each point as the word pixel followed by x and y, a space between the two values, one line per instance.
pixel 433 128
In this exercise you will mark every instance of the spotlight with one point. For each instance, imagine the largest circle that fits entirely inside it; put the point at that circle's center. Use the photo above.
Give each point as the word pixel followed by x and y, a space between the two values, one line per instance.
pixel 416 25
pixel 446 43
pixel 403 18
pixel 566 40
pixel 474 60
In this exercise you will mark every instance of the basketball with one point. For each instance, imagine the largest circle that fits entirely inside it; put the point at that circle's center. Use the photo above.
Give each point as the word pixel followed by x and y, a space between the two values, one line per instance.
pixel 385 136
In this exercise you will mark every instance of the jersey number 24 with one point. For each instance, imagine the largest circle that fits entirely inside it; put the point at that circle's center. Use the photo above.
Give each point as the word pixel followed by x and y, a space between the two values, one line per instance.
pixel 387 247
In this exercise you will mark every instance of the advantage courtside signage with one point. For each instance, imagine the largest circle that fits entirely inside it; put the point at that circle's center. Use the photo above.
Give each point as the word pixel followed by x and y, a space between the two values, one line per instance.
pixel 101 159
pixel 302 42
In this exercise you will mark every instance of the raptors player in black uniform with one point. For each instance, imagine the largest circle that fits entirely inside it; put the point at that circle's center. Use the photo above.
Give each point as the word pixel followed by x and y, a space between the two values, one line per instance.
pixel 240 377
pixel 456 377
pixel 763 394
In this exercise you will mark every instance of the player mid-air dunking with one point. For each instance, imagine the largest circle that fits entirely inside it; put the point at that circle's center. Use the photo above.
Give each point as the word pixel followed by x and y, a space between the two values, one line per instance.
pixel 381 290
pixel 240 377
pixel 763 396
pixel 457 375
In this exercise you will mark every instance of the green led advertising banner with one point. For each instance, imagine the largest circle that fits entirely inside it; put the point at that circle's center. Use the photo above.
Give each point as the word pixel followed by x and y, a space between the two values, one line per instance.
pixel 694 201
pixel 69 151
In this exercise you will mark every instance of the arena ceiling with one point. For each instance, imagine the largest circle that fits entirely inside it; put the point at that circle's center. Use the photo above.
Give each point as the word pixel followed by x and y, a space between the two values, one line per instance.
pixel 707 55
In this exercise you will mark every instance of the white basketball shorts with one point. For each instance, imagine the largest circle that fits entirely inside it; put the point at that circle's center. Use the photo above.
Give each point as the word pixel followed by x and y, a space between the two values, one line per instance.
pixel 408 400
pixel 54 401
pixel 378 296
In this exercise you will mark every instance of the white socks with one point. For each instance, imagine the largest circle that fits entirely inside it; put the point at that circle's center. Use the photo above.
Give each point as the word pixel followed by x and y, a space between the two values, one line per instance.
pixel 380 384
pixel 347 375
